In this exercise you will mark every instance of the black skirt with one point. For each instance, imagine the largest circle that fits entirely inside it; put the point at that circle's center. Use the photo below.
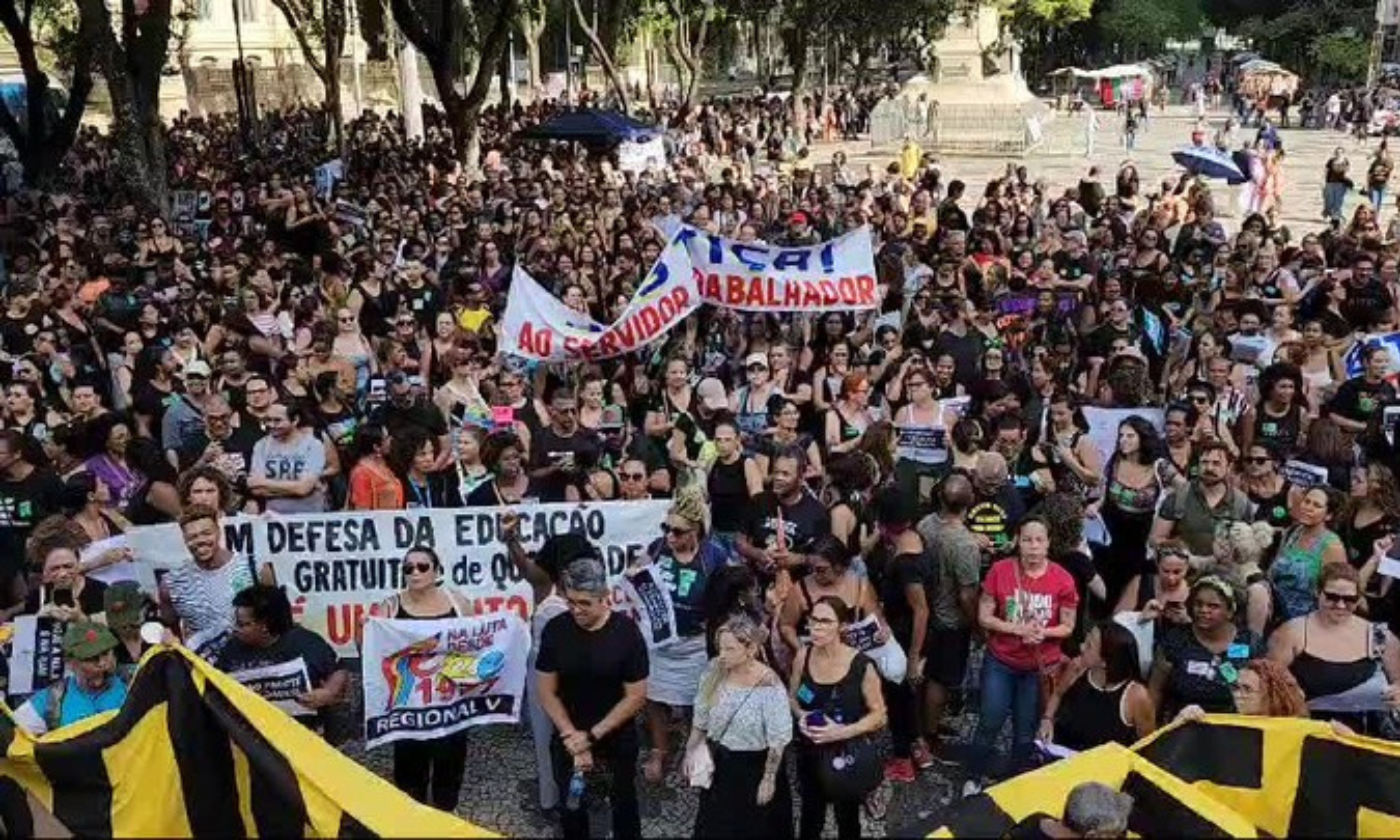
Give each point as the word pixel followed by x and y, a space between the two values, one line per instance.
pixel 729 808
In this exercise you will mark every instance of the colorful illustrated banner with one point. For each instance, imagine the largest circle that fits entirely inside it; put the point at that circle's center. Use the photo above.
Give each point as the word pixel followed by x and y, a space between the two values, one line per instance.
pixel 836 275
pixel 247 769
pixel 427 679
pixel 337 567
pixel 537 325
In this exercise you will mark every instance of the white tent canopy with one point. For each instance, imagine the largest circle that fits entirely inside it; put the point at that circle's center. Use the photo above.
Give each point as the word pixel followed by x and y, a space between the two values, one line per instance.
pixel 1117 71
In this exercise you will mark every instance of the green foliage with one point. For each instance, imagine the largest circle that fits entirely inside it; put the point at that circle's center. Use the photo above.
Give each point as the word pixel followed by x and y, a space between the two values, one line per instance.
pixel 1144 26
pixel 1052 12
pixel 1340 55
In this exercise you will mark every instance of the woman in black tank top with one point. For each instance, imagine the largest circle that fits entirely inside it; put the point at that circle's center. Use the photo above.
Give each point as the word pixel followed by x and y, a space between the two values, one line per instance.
pixel 1101 697
pixel 1279 419
pixel 733 481
pixel 429 771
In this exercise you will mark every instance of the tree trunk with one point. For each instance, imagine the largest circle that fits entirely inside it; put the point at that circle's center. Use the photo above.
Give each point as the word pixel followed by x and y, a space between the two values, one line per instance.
pixel 334 108
pixel 41 143
pixel 532 55
pixel 610 71
pixel 801 42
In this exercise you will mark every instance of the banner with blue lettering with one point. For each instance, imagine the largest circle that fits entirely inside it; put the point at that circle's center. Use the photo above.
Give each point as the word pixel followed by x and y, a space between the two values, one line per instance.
pixel 537 325
pixel 829 276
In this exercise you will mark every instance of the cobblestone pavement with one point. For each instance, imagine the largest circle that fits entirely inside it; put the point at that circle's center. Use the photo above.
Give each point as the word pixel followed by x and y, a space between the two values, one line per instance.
pixel 1061 160
pixel 499 789
pixel 499 793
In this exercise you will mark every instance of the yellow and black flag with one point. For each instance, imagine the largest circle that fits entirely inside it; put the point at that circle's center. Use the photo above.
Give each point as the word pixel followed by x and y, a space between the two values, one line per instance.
pixel 1226 776
pixel 193 753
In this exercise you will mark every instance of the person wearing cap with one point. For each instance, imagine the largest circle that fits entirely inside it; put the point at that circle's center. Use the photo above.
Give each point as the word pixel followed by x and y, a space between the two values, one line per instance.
pixel 184 417
pixel 754 404
pixel 124 606
pixel 1092 809
pixel 91 687
pixel 798 233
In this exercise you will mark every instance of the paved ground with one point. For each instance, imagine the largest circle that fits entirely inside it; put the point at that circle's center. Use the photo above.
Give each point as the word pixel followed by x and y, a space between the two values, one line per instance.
pixel 1062 163
pixel 499 791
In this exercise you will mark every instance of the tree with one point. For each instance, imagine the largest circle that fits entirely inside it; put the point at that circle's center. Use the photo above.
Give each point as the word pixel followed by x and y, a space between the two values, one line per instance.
pixel 449 33
pixel 685 28
pixel 530 20
pixel 1142 27
pixel 1341 56
pixel 604 31
pixel 319 27
pixel 130 56
pixel 42 134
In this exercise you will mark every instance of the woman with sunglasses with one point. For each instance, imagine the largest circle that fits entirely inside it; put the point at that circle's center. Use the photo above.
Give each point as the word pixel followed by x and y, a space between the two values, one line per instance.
pixel 921 429
pixel 1262 480
pixel 755 402
pixel 350 345
pixel 785 434
pixel 429 771
pixel 687 560
pixel 1345 664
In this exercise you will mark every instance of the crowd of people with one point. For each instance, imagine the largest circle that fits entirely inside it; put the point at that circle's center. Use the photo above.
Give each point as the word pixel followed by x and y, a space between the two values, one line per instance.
pixel 881 523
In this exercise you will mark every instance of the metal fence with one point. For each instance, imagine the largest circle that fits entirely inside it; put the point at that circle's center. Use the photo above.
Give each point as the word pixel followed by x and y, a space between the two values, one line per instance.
pixel 961 129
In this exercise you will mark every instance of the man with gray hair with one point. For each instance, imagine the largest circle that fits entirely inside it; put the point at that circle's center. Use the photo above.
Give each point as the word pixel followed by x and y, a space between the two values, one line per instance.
pixel 1092 809
pixel 593 670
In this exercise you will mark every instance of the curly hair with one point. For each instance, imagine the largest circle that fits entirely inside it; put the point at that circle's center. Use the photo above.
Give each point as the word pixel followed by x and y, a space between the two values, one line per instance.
pixel 1064 513
pixel 1240 548
pixel 54 532
pixel 689 505
pixel 1279 693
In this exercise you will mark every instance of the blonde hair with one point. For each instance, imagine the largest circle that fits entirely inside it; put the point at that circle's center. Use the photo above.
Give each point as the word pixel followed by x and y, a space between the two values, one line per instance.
pixel 690 506
pixel 1240 548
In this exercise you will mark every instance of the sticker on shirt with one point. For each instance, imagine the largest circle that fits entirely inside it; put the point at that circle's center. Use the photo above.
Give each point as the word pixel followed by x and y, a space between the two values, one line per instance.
pixel 1237 652
pixel 1204 670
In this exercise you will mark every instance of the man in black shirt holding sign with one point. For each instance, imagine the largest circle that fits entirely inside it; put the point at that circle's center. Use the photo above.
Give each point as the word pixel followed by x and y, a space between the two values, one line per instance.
pixel 593 682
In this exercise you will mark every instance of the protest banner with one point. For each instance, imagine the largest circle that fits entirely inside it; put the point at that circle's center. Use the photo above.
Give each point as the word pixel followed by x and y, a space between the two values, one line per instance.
pixel 279 685
pixel 1390 341
pixel 36 654
pixel 1104 423
pixel 427 679
pixel 337 567
pixel 537 325
pixel 656 614
pixel 829 276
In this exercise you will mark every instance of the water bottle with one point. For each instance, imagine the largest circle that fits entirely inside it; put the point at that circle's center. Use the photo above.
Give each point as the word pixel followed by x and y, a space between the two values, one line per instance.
pixel 577 785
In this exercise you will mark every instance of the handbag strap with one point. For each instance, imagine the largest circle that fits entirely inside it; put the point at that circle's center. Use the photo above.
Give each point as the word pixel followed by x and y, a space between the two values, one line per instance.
pixel 734 714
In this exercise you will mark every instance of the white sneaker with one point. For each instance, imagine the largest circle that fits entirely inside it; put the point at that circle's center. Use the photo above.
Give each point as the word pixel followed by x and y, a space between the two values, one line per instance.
pixel 971 787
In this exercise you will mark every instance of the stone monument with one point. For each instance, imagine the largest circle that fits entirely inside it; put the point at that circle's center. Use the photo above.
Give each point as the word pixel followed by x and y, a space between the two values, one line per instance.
pixel 974 99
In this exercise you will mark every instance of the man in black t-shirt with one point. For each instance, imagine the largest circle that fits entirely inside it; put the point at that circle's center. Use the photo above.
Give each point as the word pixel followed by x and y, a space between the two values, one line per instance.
pixel 593 671
pixel 562 452
pixel 786 520
pixel 404 410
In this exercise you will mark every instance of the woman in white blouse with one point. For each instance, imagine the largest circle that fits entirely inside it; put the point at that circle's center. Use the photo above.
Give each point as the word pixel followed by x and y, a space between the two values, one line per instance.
pixel 743 721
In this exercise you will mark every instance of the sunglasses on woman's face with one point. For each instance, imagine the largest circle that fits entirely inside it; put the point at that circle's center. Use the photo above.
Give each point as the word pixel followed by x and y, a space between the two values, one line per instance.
pixel 673 531
pixel 417 568
pixel 1339 598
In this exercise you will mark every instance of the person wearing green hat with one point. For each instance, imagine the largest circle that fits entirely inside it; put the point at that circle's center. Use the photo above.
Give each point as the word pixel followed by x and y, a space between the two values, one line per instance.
pixel 91 687
pixel 124 607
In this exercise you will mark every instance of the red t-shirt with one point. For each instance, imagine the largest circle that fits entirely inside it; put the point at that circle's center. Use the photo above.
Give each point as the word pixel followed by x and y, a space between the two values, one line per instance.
pixel 1040 598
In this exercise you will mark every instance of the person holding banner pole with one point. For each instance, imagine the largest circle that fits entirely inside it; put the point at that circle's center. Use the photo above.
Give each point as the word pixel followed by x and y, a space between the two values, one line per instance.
pixel 430 771
pixel 687 560
pixel 593 668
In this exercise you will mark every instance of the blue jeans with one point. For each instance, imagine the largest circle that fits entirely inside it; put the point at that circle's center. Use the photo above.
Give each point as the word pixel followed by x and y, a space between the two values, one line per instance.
pixel 1334 196
pixel 1377 198
pixel 1006 692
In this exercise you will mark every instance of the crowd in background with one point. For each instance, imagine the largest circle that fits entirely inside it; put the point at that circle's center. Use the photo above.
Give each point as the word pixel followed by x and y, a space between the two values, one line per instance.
pixel 925 471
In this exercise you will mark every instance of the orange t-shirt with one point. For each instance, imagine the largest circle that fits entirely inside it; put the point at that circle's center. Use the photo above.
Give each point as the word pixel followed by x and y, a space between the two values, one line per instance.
pixel 374 488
